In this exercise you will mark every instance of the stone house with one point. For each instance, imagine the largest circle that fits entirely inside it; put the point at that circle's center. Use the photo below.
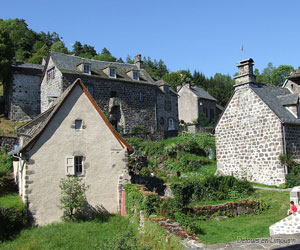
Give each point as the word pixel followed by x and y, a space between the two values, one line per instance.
pixel 125 92
pixel 259 123
pixel 192 101
pixel 22 92
pixel 293 82
pixel 72 137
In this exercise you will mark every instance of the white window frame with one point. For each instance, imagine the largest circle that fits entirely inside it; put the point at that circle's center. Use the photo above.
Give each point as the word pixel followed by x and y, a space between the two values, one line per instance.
pixel 86 69
pixel 171 124
pixel 135 75
pixel 71 165
pixel 51 74
pixel 112 72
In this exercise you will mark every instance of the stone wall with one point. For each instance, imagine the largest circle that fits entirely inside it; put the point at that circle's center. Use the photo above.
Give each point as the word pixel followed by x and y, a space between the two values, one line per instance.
pixel 229 208
pixel 288 225
pixel 249 140
pixel 23 102
pixel 50 87
pixel 8 142
pixel 292 133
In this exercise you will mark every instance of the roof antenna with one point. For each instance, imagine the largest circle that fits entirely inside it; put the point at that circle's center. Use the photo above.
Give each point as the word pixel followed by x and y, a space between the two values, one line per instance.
pixel 242 51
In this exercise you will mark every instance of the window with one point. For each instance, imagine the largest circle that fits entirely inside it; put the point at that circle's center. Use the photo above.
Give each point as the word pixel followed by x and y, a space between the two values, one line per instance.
pixel 135 75
pixel 78 165
pixel 168 106
pixel 140 96
pixel 112 72
pixel 171 124
pixel 78 124
pixel 74 165
pixel 86 68
pixel 50 74
pixel 113 94
pixel 90 89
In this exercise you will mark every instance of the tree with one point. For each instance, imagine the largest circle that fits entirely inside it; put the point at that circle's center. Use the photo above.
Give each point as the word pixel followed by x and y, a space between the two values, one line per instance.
pixel 156 69
pixel 200 80
pixel 173 79
pixel 6 54
pixel 73 200
pixel 59 47
pixel 77 48
pixel 280 73
pixel 105 56
pixel 38 56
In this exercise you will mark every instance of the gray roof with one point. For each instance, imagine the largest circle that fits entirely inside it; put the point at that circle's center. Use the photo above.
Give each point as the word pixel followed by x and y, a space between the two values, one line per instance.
pixel 276 98
pixel 28 65
pixel 202 93
pixel 68 64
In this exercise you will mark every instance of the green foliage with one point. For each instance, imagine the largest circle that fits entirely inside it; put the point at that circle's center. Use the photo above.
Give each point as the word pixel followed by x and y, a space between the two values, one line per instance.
pixel 12 220
pixel 202 120
pixel 136 200
pixel 155 68
pixel 59 47
pixel 211 188
pixel 138 130
pixel 73 200
pixel 6 53
pixel 5 170
pixel 293 176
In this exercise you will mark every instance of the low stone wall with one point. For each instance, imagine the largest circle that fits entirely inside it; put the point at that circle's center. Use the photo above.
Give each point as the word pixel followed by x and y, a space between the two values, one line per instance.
pixel 288 225
pixel 229 208
pixel 8 142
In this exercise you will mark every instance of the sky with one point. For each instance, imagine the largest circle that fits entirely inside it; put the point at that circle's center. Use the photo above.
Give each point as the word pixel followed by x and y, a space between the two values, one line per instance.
pixel 206 36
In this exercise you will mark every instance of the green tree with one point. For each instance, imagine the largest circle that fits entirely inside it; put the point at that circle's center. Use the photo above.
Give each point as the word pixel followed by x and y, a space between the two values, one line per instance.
pixel 105 56
pixel 59 47
pixel 156 69
pixel 173 79
pixel 77 48
pixel 280 73
pixel 73 200
pixel 200 80
pixel 6 54
pixel 38 56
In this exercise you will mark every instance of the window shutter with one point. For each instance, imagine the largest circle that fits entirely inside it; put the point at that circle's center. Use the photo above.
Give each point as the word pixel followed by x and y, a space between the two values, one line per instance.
pixel 70 170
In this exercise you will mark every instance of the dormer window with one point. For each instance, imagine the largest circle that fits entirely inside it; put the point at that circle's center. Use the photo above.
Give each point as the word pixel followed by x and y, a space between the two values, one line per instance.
pixel 86 69
pixel 135 75
pixel 51 74
pixel 78 124
pixel 112 72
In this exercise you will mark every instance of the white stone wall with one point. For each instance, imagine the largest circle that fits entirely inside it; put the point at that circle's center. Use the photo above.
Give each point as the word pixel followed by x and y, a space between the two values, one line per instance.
pixel 288 225
pixel 249 140
pixel 188 109
pixel 105 160
pixel 51 86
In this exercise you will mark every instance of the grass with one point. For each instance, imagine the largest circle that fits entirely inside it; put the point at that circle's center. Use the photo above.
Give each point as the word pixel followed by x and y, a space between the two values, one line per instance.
pixel 117 233
pixel 11 200
pixel 250 226
pixel 7 127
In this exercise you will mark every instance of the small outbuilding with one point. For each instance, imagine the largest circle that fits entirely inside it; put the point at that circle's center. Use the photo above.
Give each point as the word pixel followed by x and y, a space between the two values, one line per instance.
pixel 73 137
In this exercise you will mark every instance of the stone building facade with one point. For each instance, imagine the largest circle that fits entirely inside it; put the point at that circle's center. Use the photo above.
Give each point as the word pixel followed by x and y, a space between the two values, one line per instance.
pixel 192 101
pixel 22 92
pixel 125 92
pixel 73 137
pixel 259 123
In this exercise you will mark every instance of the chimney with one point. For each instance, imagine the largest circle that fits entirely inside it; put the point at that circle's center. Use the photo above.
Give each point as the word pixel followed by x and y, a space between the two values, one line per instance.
pixel 245 75
pixel 138 61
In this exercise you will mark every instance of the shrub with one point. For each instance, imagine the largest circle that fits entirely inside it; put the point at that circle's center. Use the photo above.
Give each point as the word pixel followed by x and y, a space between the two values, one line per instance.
pixel 73 199
pixel 293 177
pixel 12 220
pixel 5 169
pixel 138 130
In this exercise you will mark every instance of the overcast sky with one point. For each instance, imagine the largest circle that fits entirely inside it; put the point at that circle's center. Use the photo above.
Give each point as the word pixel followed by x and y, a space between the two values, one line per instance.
pixel 191 34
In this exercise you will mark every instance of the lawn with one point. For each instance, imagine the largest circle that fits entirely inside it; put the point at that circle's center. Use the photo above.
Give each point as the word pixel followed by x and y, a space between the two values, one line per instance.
pixel 11 200
pixel 7 127
pixel 250 226
pixel 116 233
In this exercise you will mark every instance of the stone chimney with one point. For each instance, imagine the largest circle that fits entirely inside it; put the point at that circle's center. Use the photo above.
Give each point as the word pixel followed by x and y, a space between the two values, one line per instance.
pixel 138 61
pixel 245 75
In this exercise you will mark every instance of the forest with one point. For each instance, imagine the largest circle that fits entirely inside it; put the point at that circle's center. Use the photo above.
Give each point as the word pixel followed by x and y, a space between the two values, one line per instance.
pixel 18 41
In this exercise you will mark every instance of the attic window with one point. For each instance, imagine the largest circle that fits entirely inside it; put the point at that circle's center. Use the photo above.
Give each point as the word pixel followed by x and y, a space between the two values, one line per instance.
pixel 135 75
pixel 51 74
pixel 78 124
pixel 140 96
pixel 86 69
pixel 112 72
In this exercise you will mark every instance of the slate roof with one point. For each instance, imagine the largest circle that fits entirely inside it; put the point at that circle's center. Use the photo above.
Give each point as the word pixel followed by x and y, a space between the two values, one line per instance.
pixel 276 98
pixel 295 73
pixel 35 127
pixel 68 64
pixel 27 68
pixel 202 93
